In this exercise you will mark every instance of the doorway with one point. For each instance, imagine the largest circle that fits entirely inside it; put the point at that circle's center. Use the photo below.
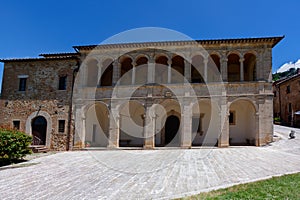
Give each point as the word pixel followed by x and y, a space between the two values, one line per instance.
pixel 39 130
pixel 171 131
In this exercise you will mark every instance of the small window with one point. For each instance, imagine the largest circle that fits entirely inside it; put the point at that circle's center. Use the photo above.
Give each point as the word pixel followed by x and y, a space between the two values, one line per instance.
pixel 275 93
pixel 232 118
pixel 22 84
pixel 61 126
pixel 290 107
pixel 288 89
pixel 62 83
pixel 16 124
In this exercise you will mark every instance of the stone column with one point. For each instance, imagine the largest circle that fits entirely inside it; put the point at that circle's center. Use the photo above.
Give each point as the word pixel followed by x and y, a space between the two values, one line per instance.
pixel 265 120
pixel 205 61
pixel 169 71
pixel 224 124
pixel 149 128
pixel 242 69
pixel 224 66
pixel 116 71
pixel 83 132
pixel 99 74
pixel 133 73
pixel 259 65
pixel 114 128
pixel 187 70
pixel 151 71
pixel 186 129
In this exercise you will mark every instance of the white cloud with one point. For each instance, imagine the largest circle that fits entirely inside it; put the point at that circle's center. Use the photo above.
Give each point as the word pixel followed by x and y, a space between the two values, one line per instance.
pixel 289 65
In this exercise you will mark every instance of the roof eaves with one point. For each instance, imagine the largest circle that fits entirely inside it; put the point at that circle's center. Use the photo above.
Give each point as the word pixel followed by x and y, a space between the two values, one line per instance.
pixel 274 41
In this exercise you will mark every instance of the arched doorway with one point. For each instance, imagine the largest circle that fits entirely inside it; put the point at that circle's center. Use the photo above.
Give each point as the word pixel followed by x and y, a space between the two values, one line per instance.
pixel 242 126
pixel 171 131
pixel 97 126
pixel 39 130
pixel 131 126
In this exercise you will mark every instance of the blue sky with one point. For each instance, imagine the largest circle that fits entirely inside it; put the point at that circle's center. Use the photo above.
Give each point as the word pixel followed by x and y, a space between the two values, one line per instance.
pixel 30 27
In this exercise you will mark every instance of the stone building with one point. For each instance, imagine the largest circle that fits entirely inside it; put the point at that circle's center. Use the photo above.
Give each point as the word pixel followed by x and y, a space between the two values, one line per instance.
pixel 152 94
pixel 287 100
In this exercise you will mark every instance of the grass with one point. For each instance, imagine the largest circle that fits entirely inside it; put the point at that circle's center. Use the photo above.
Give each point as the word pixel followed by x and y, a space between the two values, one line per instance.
pixel 284 187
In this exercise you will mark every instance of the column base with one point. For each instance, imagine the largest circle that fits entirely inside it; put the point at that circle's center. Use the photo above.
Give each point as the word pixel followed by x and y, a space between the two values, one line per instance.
pixel 186 147
pixel 148 147
pixel 223 145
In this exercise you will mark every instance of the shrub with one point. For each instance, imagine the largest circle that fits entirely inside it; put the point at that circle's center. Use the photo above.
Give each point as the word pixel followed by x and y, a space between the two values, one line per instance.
pixel 14 145
pixel 276 119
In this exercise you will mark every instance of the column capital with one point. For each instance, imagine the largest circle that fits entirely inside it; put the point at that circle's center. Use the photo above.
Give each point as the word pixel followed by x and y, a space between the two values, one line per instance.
pixel 224 59
pixel 169 61
pixel 116 62
pixel 242 60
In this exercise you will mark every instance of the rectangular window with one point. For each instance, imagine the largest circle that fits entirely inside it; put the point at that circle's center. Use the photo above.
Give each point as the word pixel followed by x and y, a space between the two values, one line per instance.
pixel 232 118
pixel 61 126
pixel 16 124
pixel 62 83
pixel 274 93
pixel 290 108
pixel 288 89
pixel 22 84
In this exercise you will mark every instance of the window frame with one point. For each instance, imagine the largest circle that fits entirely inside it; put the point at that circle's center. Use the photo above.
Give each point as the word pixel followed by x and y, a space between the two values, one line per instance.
pixel 62 86
pixel 18 124
pixel 233 114
pixel 61 129
pixel 288 89
pixel 22 84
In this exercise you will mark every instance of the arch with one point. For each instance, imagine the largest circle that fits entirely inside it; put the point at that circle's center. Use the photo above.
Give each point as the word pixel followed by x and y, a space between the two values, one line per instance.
pixel 49 125
pixel 161 69
pixel 242 123
pixel 141 56
pixel 86 107
pixel 214 68
pixel 107 75
pixel 233 65
pixel 96 125
pixel 163 110
pixel 234 52
pixel 141 70
pixel 39 130
pixel 126 70
pixel 205 123
pixel 197 69
pixel 92 73
pixel 249 67
pixel 177 73
pixel 131 124
pixel 252 102
pixel 157 56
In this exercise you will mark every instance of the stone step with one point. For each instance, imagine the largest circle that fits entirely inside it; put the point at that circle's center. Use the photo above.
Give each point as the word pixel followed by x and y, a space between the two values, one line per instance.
pixel 39 148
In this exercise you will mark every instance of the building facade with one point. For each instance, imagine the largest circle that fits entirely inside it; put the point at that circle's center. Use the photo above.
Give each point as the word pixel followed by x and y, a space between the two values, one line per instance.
pixel 287 100
pixel 148 95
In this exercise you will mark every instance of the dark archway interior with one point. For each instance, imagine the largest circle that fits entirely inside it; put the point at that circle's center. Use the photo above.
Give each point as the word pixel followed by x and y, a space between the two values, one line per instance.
pixel 39 129
pixel 171 131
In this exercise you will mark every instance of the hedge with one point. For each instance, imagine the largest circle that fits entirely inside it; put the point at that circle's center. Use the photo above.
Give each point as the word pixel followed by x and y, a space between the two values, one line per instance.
pixel 14 145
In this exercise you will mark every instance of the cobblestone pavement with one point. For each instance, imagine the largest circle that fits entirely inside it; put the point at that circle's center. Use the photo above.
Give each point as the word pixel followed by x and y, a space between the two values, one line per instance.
pixel 157 174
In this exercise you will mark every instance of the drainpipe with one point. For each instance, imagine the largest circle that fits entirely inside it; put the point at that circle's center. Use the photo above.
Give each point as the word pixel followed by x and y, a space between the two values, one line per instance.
pixel 279 93
pixel 70 107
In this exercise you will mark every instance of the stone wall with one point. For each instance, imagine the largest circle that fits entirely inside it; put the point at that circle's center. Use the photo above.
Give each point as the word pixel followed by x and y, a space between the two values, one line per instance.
pixel 41 95
pixel 284 98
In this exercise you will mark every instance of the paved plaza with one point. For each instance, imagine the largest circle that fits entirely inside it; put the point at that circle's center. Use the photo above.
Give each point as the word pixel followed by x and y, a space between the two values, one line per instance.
pixel 151 174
